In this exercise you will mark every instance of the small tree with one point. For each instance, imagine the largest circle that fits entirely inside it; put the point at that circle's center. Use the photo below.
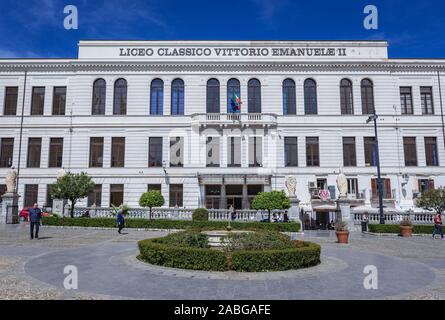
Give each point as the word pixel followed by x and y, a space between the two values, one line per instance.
pixel 72 186
pixel 433 200
pixel 151 199
pixel 275 200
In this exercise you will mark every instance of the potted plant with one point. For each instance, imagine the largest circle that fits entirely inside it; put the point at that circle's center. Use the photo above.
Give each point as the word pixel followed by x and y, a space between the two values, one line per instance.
pixel 406 228
pixel 342 232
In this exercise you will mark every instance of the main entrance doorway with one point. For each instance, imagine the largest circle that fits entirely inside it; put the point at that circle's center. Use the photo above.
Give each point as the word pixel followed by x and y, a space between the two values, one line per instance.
pixel 234 195
pixel 225 196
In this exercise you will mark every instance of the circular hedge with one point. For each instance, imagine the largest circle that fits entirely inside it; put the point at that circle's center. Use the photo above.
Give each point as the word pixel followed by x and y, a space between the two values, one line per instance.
pixel 189 250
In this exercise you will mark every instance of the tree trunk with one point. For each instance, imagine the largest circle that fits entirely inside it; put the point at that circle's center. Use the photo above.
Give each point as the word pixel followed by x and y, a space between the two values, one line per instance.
pixel 72 208
pixel 150 213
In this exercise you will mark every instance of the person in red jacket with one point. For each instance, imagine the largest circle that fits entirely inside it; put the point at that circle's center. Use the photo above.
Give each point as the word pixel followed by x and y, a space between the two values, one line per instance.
pixel 438 226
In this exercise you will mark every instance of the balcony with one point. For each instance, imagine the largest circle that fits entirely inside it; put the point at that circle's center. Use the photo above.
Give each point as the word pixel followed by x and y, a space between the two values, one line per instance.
pixel 235 119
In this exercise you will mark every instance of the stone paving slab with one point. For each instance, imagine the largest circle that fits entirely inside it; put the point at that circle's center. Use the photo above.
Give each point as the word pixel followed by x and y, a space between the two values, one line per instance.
pixel 408 269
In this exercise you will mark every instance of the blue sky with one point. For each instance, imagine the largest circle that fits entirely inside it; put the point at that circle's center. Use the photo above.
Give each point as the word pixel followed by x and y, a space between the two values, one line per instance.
pixel 35 28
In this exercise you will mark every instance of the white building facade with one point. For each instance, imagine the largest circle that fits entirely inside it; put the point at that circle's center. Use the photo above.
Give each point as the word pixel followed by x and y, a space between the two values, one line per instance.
pixel 212 123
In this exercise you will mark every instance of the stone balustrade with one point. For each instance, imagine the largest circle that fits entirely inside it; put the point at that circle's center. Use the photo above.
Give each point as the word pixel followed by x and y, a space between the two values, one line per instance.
pixel 176 213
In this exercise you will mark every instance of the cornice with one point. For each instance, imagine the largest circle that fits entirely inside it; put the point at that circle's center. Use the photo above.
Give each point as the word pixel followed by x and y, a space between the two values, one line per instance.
pixel 269 66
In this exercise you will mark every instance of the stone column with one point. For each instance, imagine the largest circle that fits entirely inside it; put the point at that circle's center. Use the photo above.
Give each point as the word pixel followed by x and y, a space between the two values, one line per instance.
pixel 245 203
pixel 9 210
pixel 223 199
pixel 202 191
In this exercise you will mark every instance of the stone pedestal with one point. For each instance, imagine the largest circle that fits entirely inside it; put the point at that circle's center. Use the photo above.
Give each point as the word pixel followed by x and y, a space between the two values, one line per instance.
pixel 10 210
pixel 294 211
pixel 344 205
pixel 59 206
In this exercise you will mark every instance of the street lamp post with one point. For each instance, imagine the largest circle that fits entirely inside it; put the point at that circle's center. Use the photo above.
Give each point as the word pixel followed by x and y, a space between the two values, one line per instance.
pixel 374 118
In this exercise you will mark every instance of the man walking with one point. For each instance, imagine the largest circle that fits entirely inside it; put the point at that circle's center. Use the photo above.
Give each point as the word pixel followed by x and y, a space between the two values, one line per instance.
pixel 35 215
pixel 120 221
pixel 438 226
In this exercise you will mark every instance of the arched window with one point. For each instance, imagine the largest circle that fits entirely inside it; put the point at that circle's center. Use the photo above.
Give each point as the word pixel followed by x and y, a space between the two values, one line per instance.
pixel 157 97
pixel 346 101
pixel 212 98
pixel 367 96
pixel 177 97
pixel 99 96
pixel 289 97
pixel 120 97
pixel 233 96
pixel 254 95
pixel 310 96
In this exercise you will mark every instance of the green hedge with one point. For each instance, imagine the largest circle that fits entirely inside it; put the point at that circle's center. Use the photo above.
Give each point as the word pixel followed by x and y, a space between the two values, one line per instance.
pixel 171 224
pixel 157 251
pixel 395 228
pixel 200 214
pixel 166 255
pixel 276 260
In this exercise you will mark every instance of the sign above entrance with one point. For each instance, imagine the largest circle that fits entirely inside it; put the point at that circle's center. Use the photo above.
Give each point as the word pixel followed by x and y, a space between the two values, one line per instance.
pixel 232 50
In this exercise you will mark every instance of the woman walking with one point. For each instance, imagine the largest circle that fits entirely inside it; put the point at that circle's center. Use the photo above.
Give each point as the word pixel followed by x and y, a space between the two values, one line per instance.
pixel 438 226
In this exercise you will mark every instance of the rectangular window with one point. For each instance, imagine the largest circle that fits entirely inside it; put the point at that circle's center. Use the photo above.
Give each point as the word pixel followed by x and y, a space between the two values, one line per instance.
pixel 349 152
pixel 155 152
pixel 410 151
pixel 234 152
pixel 55 153
pixel 213 196
pixel 49 198
pixel 154 187
pixel 176 195
pixel 34 152
pixel 11 94
pixel 406 100
pixel 6 152
pixel 117 152
pixel 431 154
pixel 291 151
pixel 255 151
pixel 212 152
pixel 370 151
pixel 96 152
pixel 312 152
pixel 353 186
pixel 387 193
pixel 31 194
pixel 37 101
pixel 116 194
pixel 426 185
pixel 426 96
pixel 59 101
pixel 177 152
pixel 95 196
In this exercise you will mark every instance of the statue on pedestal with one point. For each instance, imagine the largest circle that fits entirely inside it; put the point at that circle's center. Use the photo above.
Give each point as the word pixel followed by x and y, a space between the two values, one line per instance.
pixel 11 180
pixel 342 185
pixel 291 186
pixel 61 173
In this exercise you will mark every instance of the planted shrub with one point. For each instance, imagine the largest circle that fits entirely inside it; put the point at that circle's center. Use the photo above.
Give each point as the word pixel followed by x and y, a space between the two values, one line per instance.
pixel 395 228
pixel 261 240
pixel 200 214
pixel 186 250
pixel 190 238
pixel 170 224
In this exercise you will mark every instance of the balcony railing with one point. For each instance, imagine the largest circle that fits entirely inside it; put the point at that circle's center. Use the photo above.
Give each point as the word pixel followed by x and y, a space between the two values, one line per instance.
pixel 263 119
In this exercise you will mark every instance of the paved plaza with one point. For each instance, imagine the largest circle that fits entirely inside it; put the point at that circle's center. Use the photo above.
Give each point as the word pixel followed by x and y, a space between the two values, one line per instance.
pixel 108 269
